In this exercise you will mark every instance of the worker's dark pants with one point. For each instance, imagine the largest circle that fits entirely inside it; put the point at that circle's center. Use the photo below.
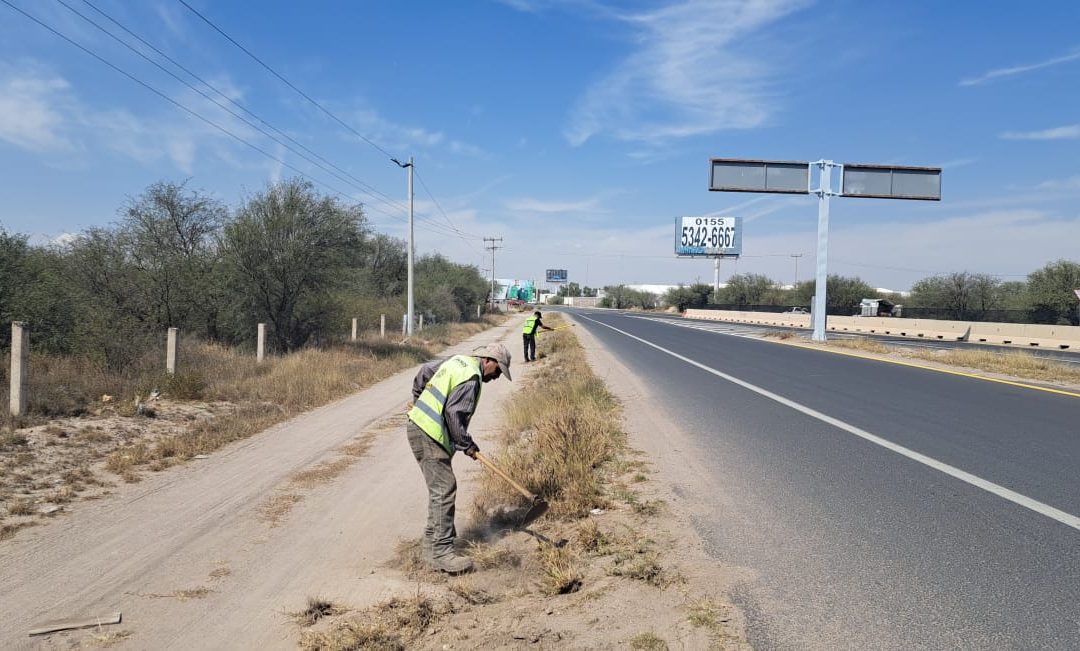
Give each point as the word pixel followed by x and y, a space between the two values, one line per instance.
pixel 434 462
pixel 530 346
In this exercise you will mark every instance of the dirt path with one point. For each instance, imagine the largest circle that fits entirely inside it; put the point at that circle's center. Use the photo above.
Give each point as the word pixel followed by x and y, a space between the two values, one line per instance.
pixel 215 553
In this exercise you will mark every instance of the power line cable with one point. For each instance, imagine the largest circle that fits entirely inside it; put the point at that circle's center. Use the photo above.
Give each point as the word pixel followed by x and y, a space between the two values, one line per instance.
pixel 285 81
pixel 466 237
pixel 293 86
pixel 356 182
pixel 200 117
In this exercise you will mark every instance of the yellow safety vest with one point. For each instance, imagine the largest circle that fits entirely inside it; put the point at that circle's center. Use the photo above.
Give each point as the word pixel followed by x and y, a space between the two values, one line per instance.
pixel 530 326
pixel 427 413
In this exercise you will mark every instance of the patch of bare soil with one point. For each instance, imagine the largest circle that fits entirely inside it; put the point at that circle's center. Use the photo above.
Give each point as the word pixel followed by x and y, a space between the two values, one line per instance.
pixel 45 468
pixel 621 578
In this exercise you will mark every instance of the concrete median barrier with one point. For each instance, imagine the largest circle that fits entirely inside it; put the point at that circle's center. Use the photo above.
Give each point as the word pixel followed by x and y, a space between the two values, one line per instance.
pixel 1007 334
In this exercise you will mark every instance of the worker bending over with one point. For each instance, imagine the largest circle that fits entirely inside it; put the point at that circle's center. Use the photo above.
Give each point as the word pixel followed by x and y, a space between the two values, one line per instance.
pixel 445 395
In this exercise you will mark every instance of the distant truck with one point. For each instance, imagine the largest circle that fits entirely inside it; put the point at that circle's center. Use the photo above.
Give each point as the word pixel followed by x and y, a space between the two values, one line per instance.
pixel 879 307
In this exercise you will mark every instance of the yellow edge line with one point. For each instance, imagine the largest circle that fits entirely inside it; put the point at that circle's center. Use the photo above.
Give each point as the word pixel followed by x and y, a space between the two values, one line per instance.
pixel 1022 385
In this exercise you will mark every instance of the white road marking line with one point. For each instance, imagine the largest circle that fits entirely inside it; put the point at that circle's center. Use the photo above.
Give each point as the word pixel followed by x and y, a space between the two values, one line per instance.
pixel 1044 509
pixel 722 329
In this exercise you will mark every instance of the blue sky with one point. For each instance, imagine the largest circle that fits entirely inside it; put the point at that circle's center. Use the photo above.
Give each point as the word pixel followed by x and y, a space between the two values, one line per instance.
pixel 576 130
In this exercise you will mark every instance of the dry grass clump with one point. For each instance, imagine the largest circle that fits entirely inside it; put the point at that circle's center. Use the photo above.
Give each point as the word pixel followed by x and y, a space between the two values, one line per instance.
pixel 648 508
pixel 635 558
pixel 472 595
pixel 192 593
pixel 1013 363
pixel 9 530
pixel 409 559
pixel 488 556
pixel 20 507
pixel 648 641
pixel 62 385
pixel 105 640
pixel 12 440
pixel 861 343
pixel 590 539
pixel 706 613
pixel 562 570
pixel 642 566
pixel 393 624
pixel 315 610
pixel 324 472
pixel 275 508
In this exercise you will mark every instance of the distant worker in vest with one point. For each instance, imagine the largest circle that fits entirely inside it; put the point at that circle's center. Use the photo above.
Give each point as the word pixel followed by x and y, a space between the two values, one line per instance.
pixel 528 334
pixel 445 394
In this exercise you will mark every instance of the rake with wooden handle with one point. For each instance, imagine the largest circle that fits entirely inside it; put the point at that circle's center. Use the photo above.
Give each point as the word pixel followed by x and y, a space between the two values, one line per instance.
pixel 539 505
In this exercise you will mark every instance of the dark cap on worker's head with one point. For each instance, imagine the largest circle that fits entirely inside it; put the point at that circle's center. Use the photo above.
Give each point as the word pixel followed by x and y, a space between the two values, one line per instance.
pixel 500 354
pixel 536 313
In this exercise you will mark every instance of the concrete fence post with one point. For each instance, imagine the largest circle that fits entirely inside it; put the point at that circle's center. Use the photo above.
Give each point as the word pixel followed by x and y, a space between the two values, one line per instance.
pixel 421 322
pixel 260 343
pixel 478 311
pixel 170 350
pixel 354 329
pixel 404 325
pixel 20 366
pixel 382 326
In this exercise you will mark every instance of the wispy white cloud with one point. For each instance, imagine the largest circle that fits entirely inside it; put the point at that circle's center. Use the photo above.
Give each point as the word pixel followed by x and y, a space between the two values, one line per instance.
pixel 689 76
pixel 42 112
pixel 1069 132
pixel 1071 183
pixel 465 149
pixel 401 137
pixel 528 204
pixel 1019 69
pixel 528 6
pixel 30 117
pixel 392 135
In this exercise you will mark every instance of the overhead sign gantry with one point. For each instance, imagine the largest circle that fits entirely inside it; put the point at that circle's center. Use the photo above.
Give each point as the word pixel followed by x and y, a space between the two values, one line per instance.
pixel 797 177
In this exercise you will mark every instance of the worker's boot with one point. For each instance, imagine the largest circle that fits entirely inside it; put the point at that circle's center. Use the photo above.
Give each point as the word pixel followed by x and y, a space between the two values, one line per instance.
pixel 453 564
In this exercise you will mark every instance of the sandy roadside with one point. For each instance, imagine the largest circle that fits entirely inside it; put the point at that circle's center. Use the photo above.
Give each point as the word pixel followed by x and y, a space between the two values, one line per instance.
pixel 215 553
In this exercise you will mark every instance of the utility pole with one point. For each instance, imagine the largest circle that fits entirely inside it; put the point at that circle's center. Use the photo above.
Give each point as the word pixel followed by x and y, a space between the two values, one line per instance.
pixel 796 256
pixel 492 247
pixel 409 292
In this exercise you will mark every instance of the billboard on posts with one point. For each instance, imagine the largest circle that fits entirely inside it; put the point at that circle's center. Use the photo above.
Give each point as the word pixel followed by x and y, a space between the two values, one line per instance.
pixel 555 275
pixel 708 237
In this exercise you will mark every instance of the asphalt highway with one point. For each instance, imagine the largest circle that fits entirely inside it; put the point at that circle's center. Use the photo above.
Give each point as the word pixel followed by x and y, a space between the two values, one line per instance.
pixel 873 506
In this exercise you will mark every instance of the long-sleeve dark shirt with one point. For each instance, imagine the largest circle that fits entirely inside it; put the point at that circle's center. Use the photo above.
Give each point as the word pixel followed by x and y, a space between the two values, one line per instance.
pixel 460 404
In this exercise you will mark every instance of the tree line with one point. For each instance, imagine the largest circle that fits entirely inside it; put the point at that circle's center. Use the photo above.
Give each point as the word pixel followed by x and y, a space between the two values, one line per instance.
pixel 301 262
pixel 1046 296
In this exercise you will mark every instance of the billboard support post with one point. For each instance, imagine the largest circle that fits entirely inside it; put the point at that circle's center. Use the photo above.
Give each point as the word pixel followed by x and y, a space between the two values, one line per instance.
pixel 824 193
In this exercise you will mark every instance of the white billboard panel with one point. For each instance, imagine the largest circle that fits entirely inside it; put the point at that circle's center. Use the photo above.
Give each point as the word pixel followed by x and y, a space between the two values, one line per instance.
pixel 708 237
